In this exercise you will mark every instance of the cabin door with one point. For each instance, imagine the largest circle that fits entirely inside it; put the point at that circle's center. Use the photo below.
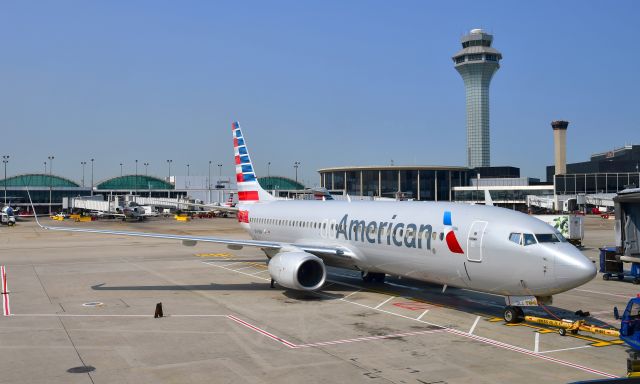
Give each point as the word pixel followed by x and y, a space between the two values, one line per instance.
pixel 474 241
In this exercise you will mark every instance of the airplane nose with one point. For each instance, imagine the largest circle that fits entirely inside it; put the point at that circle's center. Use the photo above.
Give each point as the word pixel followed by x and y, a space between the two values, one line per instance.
pixel 573 268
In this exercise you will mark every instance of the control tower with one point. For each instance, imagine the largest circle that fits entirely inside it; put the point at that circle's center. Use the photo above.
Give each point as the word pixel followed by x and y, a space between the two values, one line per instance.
pixel 476 63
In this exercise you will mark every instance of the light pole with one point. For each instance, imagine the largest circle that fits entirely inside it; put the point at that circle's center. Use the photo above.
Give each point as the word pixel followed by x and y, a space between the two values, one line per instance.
pixel 120 169
pixel 169 178
pixel 269 175
pixel 5 160
pixel 220 195
pixel 83 163
pixel 188 170
pixel 50 179
pixel 135 184
pixel 296 164
pixel 45 167
pixel 92 176
pixel 209 182
pixel 146 175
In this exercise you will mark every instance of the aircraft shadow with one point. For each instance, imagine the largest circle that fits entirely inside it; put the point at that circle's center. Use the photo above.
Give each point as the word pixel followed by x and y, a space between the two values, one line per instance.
pixel 245 287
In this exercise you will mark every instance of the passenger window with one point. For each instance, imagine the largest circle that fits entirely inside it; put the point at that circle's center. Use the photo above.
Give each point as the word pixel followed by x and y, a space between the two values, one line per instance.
pixel 515 237
pixel 529 239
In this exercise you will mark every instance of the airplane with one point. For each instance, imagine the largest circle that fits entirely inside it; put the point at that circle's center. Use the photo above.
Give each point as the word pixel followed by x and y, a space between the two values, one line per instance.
pixel 476 247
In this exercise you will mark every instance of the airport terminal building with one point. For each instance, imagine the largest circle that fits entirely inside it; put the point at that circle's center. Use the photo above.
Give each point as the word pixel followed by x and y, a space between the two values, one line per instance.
pixel 433 183
pixel 606 172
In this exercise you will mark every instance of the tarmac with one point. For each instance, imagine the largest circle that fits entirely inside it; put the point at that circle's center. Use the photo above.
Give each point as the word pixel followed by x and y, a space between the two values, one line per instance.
pixel 82 311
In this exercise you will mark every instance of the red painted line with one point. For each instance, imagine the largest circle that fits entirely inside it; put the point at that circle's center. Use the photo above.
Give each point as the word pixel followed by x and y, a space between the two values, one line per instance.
pixel 6 311
pixel 529 353
pixel 262 331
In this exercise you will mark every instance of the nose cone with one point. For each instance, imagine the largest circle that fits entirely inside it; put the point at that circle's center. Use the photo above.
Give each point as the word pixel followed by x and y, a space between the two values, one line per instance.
pixel 573 268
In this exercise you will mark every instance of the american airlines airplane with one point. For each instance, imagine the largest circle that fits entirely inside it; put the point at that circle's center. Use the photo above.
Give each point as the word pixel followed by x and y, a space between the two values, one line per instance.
pixel 480 248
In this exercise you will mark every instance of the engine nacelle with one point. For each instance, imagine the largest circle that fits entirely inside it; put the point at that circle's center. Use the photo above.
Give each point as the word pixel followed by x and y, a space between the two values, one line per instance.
pixel 298 270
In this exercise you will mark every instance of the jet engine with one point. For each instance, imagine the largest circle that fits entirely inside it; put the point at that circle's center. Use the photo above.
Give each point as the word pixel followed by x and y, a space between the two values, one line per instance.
pixel 297 270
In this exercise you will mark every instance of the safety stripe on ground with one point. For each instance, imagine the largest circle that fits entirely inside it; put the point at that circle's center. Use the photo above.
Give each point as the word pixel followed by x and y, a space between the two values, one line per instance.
pixel 6 310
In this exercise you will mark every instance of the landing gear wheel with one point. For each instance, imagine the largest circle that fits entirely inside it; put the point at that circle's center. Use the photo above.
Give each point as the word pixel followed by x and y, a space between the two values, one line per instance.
pixel 511 314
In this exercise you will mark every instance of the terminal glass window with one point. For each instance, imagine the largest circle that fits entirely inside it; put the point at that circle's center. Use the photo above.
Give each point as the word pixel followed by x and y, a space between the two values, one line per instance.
pixel 370 183
pixel 443 185
pixel 475 57
pixel 459 59
pixel 428 185
pixel 389 183
pixel 409 183
pixel 353 183
pixel 338 180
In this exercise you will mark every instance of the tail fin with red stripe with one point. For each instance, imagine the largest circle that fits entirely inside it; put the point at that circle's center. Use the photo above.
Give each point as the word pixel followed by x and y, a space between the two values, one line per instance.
pixel 249 190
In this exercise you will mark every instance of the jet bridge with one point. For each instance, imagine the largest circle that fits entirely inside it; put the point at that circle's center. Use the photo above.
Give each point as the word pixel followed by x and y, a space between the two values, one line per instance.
pixel 627 206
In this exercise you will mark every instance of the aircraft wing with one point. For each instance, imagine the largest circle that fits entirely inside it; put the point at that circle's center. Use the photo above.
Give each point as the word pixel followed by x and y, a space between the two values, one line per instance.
pixel 329 252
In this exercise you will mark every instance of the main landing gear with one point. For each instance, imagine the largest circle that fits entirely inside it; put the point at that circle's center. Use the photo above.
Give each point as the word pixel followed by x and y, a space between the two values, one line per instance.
pixel 513 314
pixel 371 277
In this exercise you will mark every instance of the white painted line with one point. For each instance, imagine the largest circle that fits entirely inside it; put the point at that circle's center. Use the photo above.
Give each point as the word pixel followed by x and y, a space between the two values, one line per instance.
pixel 259 272
pixel 262 331
pixel 352 293
pixel 473 327
pixel 228 265
pixel 369 338
pixel 485 340
pixel 604 293
pixel 536 345
pixel 565 349
pixel 233 270
pixel 102 315
pixel 250 266
pixel 384 302
pixel 423 313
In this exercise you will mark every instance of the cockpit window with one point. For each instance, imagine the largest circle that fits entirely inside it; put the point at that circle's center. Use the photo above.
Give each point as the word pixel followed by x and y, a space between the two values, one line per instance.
pixel 529 239
pixel 562 239
pixel 515 237
pixel 547 238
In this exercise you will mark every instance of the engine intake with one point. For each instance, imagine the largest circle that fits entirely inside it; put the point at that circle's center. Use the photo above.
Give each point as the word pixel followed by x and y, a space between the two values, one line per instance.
pixel 298 270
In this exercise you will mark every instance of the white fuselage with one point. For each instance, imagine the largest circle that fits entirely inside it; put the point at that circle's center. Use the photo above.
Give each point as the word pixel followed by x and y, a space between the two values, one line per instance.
pixel 410 239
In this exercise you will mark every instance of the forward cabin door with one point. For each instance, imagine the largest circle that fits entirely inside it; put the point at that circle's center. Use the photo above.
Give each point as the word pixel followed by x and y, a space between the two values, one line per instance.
pixel 474 241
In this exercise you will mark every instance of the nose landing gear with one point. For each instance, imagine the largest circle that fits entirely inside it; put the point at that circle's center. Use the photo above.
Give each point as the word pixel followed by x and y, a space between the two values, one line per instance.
pixel 513 314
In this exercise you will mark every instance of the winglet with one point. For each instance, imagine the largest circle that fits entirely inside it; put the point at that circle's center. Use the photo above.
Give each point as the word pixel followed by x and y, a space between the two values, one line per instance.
pixel 249 190
pixel 34 210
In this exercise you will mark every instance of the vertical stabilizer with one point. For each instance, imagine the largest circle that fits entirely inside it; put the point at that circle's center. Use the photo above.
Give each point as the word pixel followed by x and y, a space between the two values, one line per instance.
pixel 249 190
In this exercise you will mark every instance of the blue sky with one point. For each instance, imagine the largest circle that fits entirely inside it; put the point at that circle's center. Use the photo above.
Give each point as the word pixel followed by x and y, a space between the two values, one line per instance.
pixel 326 83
